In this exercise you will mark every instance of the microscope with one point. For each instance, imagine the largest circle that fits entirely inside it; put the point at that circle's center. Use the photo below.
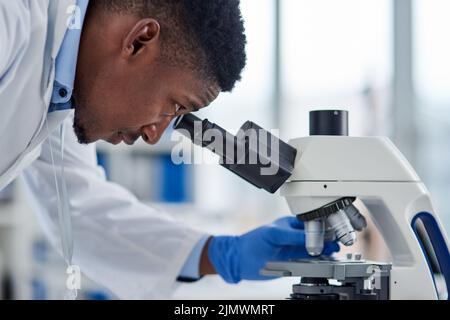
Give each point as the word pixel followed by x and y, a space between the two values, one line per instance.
pixel 322 177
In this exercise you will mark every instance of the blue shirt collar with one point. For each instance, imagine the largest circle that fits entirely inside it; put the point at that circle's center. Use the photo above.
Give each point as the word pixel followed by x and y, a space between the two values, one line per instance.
pixel 66 60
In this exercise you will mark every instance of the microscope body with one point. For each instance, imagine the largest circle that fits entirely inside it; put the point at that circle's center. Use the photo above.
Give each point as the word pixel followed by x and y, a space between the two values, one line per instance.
pixel 321 176
pixel 372 169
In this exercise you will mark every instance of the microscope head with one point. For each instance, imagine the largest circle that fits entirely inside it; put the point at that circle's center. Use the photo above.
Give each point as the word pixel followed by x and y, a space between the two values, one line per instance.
pixel 328 161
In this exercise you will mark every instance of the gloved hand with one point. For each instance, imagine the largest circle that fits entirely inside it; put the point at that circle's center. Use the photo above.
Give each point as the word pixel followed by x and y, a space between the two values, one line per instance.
pixel 242 258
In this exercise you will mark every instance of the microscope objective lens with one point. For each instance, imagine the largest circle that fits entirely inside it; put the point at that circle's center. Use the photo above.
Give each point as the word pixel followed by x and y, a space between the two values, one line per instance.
pixel 356 218
pixel 342 227
pixel 330 234
pixel 315 236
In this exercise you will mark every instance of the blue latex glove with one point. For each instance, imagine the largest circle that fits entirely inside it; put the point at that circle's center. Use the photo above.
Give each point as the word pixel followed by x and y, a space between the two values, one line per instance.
pixel 243 257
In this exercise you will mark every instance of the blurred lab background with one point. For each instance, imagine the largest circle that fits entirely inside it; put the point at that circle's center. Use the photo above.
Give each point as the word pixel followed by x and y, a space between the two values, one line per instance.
pixel 386 61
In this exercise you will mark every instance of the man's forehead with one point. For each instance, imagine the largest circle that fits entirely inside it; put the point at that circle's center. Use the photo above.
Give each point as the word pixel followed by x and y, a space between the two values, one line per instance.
pixel 201 97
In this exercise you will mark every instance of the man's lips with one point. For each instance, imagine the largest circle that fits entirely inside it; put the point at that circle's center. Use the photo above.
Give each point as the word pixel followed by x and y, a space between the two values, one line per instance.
pixel 119 137
pixel 115 139
pixel 128 140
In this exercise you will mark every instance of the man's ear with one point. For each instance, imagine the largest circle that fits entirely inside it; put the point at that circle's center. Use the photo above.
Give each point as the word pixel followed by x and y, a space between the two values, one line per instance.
pixel 144 33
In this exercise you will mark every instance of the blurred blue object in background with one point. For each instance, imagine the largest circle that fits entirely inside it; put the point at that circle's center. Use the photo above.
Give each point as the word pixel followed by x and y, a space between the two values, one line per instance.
pixel 174 181
pixel 103 161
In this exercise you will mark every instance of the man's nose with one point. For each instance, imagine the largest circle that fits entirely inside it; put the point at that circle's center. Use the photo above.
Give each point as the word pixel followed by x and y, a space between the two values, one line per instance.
pixel 152 134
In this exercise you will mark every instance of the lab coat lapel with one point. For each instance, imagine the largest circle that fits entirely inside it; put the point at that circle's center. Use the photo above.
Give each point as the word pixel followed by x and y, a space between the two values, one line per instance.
pixel 57 23
pixel 58 18
pixel 59 13
pixel 61 9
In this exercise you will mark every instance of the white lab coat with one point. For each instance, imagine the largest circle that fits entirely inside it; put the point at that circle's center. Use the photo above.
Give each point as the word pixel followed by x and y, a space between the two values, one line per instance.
pixel 124 245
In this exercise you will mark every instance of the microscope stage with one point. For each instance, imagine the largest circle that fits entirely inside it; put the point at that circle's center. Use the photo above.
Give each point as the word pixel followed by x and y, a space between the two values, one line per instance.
pixel 337 269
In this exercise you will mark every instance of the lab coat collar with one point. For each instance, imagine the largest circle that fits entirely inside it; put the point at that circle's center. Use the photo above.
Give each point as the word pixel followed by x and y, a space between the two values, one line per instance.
pixel 66 60
pixel 60 24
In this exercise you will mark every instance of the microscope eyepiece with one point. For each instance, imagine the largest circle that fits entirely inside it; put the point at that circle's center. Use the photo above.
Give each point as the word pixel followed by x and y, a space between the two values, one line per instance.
pixel 186 122
pixel 253 154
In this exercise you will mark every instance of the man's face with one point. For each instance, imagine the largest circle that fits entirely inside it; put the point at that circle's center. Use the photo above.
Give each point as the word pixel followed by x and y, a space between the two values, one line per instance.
pixel 123 95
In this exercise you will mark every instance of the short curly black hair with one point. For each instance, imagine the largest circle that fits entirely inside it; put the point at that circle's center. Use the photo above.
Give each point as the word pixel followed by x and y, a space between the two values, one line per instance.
pixel 206 35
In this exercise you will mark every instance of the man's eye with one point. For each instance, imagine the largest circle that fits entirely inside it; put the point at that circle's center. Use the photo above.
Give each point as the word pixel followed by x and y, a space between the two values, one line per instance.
pixel 179 109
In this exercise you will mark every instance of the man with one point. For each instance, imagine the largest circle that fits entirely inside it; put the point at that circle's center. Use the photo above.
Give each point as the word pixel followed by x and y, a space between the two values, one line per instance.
pixel 124 73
